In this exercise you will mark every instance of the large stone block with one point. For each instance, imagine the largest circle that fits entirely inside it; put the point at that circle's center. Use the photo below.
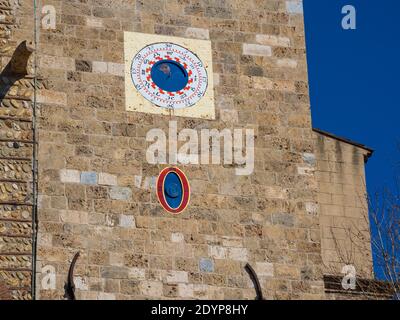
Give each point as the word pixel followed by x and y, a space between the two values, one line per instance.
pixel 126 221
pixel 70 176
pixel 89 177
pixel 197 33
pixel 264 269
pixel 257 50
pixel 107 179
pixel 206 265
pixel 151 288
pixel 120 193
pixel 217 252
pixel 294 6
pixel 272 40
pixel 114 272
pixel 240 254
pixel 177 277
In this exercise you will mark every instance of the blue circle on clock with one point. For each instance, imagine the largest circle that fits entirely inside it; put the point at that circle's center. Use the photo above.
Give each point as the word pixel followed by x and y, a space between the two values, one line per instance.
pixel 169 75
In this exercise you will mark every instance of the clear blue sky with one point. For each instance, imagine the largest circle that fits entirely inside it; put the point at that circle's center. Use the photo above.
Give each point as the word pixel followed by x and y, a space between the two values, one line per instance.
pixel 355 77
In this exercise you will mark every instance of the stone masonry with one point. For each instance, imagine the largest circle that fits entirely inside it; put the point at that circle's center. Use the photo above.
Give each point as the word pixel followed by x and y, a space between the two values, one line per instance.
pixel 96 191
pixel 16 152
pixel 343 207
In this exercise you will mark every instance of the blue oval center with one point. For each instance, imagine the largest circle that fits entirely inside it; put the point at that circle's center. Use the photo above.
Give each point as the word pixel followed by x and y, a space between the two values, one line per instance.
pixel 173 190
pixel 169 75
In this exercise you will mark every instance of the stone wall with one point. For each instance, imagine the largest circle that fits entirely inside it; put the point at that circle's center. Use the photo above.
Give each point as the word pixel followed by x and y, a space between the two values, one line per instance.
pixel 16 151
pixel 97 191
pixel 343 205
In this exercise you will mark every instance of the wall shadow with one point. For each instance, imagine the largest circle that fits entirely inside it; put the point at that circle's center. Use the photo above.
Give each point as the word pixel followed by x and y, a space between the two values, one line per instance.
pixel 16 69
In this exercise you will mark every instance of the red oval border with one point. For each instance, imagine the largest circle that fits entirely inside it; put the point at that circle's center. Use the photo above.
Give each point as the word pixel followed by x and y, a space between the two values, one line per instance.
pixel 185 190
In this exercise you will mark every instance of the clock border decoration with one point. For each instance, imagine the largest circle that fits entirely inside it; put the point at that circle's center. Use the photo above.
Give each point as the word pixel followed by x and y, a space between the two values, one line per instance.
pixel 160 189
pixel 199 49
pixel 147 57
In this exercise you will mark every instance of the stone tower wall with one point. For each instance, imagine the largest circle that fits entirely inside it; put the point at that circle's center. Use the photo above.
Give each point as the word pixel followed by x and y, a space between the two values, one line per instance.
pixel 96 189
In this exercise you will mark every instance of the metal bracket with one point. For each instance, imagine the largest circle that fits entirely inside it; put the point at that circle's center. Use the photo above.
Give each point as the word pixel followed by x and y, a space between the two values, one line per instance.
pixel 256 282
pixel 69 286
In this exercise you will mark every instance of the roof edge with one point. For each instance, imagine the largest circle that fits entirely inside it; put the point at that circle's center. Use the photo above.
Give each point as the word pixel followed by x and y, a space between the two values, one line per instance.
pixel 345 140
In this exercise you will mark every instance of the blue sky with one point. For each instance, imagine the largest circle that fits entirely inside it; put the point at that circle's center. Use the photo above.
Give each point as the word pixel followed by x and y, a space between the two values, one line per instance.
pixel 354 78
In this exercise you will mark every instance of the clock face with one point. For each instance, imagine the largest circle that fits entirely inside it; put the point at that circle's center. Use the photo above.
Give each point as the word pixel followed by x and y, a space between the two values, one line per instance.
pixel 169 75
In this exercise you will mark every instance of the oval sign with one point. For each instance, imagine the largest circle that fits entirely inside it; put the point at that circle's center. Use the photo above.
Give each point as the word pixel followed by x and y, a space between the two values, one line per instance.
pixel 173 190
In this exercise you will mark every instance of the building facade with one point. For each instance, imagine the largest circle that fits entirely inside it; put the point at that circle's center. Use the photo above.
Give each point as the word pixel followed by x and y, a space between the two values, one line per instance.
pixel 76 176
